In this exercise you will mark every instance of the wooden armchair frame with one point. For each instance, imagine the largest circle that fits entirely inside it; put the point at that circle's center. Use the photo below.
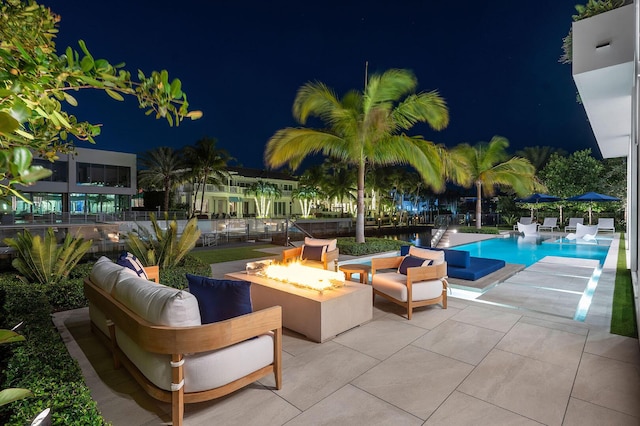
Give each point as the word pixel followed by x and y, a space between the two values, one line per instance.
pixel 178 341
pixel 414 275
pixel 294 253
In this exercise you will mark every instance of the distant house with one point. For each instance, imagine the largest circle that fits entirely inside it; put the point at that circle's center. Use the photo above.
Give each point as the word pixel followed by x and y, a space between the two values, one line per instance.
pixel 231 200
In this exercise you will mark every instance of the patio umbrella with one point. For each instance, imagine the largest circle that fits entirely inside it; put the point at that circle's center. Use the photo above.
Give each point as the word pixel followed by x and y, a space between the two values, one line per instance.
pixel 593 197
pixel 539 198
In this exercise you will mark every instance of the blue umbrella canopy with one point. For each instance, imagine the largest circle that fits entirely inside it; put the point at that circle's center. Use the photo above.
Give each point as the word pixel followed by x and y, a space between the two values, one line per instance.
pixel 592 197
pixel 539 198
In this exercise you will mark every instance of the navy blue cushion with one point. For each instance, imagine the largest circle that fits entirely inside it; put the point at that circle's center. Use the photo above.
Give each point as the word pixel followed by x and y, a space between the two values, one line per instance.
pixel 459 258
pixel 411 262
pixel 128 260
pixel 313 252
pixel 479 267
pixel 219 300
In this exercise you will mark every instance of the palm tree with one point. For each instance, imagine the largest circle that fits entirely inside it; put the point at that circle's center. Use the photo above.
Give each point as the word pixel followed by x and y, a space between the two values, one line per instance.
pixel 539 156
pixel 340 185
pixel 162 167
pixel 365 128
pixel 208 166
pixel 487 166
pixel 263 192
pixel 305 196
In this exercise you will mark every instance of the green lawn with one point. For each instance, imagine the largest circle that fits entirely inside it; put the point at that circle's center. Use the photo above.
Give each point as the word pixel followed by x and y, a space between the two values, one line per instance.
pixel 623 315
pixel 219 255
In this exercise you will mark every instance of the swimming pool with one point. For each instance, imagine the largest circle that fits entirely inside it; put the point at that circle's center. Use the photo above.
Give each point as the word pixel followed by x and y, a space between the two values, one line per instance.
pixel 528 250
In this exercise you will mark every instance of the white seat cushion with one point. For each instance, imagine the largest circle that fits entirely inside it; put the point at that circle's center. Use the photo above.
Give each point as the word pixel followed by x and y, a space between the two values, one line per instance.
pixel 203 371
pixel 395 285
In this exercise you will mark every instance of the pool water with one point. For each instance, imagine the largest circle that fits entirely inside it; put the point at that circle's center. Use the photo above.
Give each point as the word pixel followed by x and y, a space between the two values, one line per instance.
pixel 528 250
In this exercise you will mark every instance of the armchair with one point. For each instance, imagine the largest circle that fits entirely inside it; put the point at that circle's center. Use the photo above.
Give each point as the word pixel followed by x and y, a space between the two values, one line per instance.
pixel 421 286
pixel 320 254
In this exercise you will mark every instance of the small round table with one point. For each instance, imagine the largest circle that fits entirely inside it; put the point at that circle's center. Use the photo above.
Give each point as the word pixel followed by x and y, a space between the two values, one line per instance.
pixel 356 268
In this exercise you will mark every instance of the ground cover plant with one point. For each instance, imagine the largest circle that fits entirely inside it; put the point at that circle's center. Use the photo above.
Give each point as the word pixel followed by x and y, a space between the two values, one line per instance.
pixel 623 314
pixel 219 255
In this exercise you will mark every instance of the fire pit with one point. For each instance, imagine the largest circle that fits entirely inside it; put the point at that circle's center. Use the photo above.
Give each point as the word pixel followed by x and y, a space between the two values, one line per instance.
pixel 318 310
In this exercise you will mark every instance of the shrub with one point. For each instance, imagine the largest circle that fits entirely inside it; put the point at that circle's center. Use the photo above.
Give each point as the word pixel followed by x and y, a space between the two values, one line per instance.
pixel 372 245
pixel 43 260
pixel 41 363
pixel 176 276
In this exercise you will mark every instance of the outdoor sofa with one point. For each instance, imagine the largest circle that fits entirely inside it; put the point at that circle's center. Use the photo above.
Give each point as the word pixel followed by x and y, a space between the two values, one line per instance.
pixel 461 265
pixel 157 333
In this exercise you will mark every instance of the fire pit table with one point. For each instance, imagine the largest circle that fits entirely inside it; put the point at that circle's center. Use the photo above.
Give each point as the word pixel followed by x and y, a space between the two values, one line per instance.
pixel 318 315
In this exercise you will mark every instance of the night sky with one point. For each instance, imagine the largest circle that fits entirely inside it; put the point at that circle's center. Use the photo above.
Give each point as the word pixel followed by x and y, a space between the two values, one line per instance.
pixel 241 63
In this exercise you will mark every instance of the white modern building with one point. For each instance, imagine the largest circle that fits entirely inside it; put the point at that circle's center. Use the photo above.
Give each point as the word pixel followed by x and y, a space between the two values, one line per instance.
pixel 606 71
pixel 91 181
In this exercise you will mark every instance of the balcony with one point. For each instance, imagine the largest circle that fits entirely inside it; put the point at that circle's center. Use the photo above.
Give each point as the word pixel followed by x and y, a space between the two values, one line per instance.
pixel 603 51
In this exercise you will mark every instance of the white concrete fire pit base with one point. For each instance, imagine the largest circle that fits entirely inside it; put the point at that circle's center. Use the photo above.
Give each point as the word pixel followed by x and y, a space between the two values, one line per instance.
pixel 317 316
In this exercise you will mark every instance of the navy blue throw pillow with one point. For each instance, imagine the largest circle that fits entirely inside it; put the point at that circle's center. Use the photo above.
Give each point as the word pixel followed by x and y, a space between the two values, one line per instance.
pixel 411 262
pixel 128 260
pixel 313 252
pixel 219 300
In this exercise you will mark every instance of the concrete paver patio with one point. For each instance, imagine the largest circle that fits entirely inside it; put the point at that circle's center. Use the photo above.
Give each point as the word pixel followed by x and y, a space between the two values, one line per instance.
pixel 472 364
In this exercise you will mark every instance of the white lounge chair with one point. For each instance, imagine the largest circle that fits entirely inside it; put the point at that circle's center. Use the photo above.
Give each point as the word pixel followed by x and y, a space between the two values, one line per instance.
pixel 525 220
pixel 572 224
pixel 530 230
pixel 549 224
pixel 606 224
pixel 583 233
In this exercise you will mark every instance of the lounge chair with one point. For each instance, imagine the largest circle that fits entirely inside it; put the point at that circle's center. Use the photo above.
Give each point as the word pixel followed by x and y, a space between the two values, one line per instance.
pixel 549 224
pixel 572 224
pixel 583 233
pixel 525 220
pixel 530 230
pixel 606 224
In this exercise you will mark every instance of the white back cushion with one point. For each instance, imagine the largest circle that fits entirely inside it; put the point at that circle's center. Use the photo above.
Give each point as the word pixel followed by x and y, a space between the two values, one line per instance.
pixel 104 273
pixel 156 303
pixel 331 244
pixel 436 255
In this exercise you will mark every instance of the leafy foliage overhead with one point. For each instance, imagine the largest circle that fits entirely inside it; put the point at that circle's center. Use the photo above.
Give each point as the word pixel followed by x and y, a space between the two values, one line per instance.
pixel 37 85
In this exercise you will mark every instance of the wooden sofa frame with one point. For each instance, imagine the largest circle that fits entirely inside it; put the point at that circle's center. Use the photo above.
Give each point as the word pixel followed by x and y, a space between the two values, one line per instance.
pixel 178 341
pixel 414 275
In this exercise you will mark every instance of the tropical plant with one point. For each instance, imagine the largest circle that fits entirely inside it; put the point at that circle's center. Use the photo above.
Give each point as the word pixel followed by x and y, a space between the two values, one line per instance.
pixel 263 192
pixel 340 184
pixel 36 81
pixel 163 247
pixel 305 196
pixel 566 176
pixel 365 128
pixel 207 165
pixel 487 166
pixel 162 168
pixel 43 260
pixel 539 156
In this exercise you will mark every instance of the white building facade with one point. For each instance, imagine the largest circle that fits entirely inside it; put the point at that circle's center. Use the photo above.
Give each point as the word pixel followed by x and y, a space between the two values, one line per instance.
pixel 606 71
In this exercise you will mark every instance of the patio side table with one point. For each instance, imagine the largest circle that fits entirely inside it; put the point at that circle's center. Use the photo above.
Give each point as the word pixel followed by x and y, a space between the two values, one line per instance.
pixel 356 268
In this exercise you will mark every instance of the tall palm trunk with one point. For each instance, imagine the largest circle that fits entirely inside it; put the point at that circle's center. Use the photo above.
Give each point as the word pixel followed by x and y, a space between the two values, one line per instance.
pixel 360 204
pixel 478 204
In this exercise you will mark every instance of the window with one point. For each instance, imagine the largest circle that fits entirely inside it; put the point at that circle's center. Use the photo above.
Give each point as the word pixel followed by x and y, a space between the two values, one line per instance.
pixel 59 169
pixel 103 175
